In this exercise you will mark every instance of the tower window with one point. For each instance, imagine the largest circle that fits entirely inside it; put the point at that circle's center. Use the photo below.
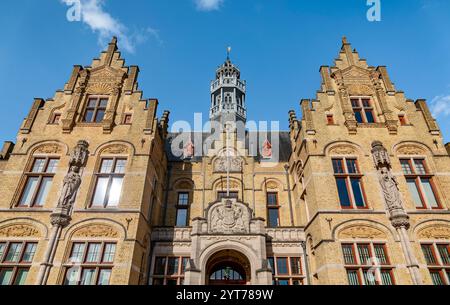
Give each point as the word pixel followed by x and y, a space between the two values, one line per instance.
pixel 363 110
pixel 273 210
pixel 95 110
pixel 182 210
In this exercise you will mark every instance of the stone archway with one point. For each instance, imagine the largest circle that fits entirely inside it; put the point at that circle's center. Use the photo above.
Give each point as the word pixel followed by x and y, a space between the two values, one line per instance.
pixel 228 267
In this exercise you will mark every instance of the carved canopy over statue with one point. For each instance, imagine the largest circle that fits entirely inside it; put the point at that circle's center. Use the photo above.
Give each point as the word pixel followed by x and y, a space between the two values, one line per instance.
pixel 229 217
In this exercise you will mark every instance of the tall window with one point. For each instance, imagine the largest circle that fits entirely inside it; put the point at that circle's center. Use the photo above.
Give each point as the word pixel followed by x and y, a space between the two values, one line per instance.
pixel 437 257
pixel 182 210
pixel 38 182
pixel 15 262
pixel 273 210
pixel 90 263
pixel 420 184
pixel 349 184
pixel 109 181
pixel 363 109
pixel 169 270
pixel 367 264
pixel 287 270
pixel 95 110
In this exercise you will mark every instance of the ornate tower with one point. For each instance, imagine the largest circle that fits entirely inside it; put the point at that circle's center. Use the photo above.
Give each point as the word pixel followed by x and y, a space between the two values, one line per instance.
pixel 228 94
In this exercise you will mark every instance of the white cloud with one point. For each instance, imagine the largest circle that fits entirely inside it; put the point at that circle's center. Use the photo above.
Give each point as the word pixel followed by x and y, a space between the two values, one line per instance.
pixel 440 106
pixel 208 5
pixel 105 26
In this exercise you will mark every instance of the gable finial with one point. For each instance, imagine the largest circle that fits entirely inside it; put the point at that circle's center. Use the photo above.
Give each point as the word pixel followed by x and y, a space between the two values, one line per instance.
pixel 344 40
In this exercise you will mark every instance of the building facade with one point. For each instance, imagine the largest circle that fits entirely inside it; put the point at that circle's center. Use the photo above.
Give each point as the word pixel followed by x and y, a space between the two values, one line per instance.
pixel 97 191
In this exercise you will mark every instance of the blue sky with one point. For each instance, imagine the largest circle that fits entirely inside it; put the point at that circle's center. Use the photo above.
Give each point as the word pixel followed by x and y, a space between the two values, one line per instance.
pixel 279 46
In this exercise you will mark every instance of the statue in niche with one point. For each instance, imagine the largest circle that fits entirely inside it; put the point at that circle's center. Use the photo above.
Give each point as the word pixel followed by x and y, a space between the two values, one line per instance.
pixel 70 188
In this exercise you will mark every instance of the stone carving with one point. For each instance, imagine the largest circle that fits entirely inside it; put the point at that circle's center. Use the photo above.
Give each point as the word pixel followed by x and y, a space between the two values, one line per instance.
pixel 342 150
pixel 271 185
pixel 410 150
pixel 99 88
pixel 389 186
pixel 229 217
pixel 360 90
pixel 116 149
pixel 361 232
pixel 435 232
pixel 19 231
pixel 70 187
pixel 79 155
pixel 222 164
pixel 96 231
pixel 223 185
pixel 48 149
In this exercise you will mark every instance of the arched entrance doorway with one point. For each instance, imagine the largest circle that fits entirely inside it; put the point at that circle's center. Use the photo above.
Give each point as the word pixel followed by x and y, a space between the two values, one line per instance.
pixel 228 267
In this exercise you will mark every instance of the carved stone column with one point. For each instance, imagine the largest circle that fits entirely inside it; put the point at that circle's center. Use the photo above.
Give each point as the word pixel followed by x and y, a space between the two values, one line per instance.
pixel 108 121
pixel 398 216
pixel 69 121
pixel 391 121
pixel 349 115
pixel 60 218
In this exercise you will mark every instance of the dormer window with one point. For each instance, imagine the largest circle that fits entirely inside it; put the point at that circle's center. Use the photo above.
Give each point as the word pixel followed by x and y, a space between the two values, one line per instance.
pixel 363 109
pixel 95 110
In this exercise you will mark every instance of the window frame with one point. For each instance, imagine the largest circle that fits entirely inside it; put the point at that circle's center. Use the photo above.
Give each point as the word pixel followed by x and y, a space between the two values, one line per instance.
pixel 363 109
pixel 289 276
pixel 40 176
pixel 419 184
pixel 185 207
pixel 438 266
pixel 275 207
pixel 111 176
pixel 95 109
pixel 166 277
pixel 348 183
pixel 85 265
pixel 20 264
pixel 361 267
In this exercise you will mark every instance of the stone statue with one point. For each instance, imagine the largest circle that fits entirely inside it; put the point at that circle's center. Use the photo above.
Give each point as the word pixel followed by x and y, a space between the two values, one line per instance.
pixel 70 188
pixel 390 189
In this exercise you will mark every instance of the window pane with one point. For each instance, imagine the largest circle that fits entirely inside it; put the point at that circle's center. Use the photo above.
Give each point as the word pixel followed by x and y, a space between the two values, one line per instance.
pixel 338 166
pixel 358 116
pixel 366 103
pixel 353 278
pixel 221 195
pixel 77 253
pixel 103 102
pixel 93 254
pixel 100 192
pixel 386 277
pixel 272 264
pixel 369 277
pixel 352 166
pixel 71 276
pixel 87 277
pixel 344 198
pixel 160 266
pixel 380 254
pixel 110 251
pixel 115 192
pixel 349 256
pixel 282 266
pixel 2 250
pixel 52 166
pixel 429 193
pixel 272 199
pixel 5 276
pixel 183 199
pixel 414 193
pixel 429 255
pixel 296 266
pixel 172 266
pixel 407 170
pixel 369 116
pixel 21 277
pixel 100 115
pixel 29 191
pixel 120 166
pixel 158 282
pixel 283 282
pixel 13 254
pixel 273 218
pixel 88 116
pixel 104 277
pixel 107 165
pixel 92 103
pixel 357 192
pixel 183 266
pixel 364 254
pixel 30 250
pixel 420 167
pixel 437 278
pixel 355 103
pixel 182 217
pixel 445 254
pixel 44 189
pixel 38 166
